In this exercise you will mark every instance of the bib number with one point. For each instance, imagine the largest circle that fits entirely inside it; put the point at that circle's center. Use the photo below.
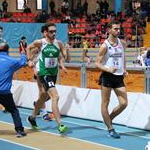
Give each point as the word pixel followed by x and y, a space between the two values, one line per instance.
pixel 51 84
pixel 51 62
pixel 115 63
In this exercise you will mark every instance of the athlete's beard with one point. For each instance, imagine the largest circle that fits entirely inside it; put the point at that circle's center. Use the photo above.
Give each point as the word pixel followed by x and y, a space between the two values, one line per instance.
pixel 51 38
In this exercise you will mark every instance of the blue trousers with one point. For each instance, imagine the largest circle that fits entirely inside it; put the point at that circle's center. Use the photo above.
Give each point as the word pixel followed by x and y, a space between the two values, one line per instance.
pixel 8 102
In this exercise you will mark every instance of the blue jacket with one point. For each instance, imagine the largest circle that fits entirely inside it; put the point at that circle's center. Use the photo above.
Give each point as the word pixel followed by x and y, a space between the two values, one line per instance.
pixel 8 66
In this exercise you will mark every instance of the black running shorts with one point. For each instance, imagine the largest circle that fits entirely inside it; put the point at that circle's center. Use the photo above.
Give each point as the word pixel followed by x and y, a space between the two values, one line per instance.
pixel 48 81
pixel 110 80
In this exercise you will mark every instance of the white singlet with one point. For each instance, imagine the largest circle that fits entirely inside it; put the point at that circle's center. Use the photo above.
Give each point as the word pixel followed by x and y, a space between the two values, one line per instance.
pixel 114 57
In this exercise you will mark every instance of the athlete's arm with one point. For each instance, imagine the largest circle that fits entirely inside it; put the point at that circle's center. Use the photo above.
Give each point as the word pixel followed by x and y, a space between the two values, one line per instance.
pixel 100 57
pixel 33 46
pixel 61 64
pixel 30 51
pixel 62 49
pixel 124 44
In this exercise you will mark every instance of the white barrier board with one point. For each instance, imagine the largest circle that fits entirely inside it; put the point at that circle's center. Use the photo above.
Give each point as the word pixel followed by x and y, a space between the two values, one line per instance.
pixel 86 103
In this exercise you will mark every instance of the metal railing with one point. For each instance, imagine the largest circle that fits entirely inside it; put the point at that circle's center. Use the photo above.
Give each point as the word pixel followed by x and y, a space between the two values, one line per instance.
pixel 83 67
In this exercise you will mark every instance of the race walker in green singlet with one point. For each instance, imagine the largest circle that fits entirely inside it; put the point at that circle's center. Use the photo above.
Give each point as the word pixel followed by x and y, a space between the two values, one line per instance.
pixel 48 58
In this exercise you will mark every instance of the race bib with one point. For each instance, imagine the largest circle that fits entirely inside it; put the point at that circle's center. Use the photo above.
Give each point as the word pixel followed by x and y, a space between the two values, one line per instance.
pixel 117 63
pixel 51 62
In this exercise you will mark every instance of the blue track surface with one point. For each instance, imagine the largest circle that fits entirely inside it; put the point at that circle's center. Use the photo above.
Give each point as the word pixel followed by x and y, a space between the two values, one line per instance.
pixel 90 131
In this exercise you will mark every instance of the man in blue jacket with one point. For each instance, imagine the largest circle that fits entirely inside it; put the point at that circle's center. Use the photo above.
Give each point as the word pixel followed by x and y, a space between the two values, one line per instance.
pixel 2 41
pixel 8 66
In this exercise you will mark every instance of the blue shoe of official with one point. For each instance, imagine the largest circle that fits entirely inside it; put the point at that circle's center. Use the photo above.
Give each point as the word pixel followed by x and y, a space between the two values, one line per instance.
pixel 20 133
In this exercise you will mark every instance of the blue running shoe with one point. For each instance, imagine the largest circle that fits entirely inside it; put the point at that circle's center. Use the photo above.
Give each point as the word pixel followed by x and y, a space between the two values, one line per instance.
pixel 114 134
pixel 46 117
pixel 21 133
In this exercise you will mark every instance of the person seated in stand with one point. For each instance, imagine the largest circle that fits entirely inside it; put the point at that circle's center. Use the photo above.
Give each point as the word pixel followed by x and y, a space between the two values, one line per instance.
pixel 142 56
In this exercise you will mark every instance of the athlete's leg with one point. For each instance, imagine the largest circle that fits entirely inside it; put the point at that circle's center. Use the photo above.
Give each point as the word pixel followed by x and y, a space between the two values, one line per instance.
pixel 40 102
pixel 43 110
pixel 38 106
pixel 122 98
pixel 105 93
pixel 39 84
pixel 105 113
pixel 54 96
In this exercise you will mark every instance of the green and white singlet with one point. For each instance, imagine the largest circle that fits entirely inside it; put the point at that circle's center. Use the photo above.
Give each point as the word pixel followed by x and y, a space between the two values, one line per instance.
pixel 48 58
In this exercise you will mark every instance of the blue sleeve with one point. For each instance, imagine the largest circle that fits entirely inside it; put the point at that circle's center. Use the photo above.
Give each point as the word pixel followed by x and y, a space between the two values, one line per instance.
pixel 20 63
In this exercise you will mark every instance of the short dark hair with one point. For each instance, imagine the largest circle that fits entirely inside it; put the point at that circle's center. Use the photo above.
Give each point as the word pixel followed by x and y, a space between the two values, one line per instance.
pixel 50 24
pixel 23 37
pixel 110 24
pixel 43 28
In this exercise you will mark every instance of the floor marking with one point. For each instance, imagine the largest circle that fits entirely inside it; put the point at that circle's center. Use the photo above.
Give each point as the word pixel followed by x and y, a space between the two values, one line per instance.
pixel 98 144
pixel 19 144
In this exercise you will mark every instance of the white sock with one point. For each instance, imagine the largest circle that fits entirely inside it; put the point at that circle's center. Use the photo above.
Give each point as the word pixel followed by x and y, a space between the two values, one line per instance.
pixel 44 112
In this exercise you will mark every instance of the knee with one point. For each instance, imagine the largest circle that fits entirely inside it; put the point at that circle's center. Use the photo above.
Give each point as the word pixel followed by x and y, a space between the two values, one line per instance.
pixel 56 98
pixel 124 104
pixel 105 104
pixel 43 95
pixel 104 107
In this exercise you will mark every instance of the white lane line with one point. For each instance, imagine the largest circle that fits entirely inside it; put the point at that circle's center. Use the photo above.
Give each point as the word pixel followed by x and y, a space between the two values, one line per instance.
pixel 18 143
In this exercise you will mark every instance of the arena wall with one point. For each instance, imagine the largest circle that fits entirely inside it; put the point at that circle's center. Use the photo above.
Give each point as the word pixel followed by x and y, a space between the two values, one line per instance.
pixel 14 31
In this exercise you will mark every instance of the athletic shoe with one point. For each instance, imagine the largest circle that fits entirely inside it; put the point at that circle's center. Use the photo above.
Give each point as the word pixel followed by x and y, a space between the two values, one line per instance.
pixel 114 134
pixel 21 133
pixel 32 121
pixel 62 128
pixel 47 117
